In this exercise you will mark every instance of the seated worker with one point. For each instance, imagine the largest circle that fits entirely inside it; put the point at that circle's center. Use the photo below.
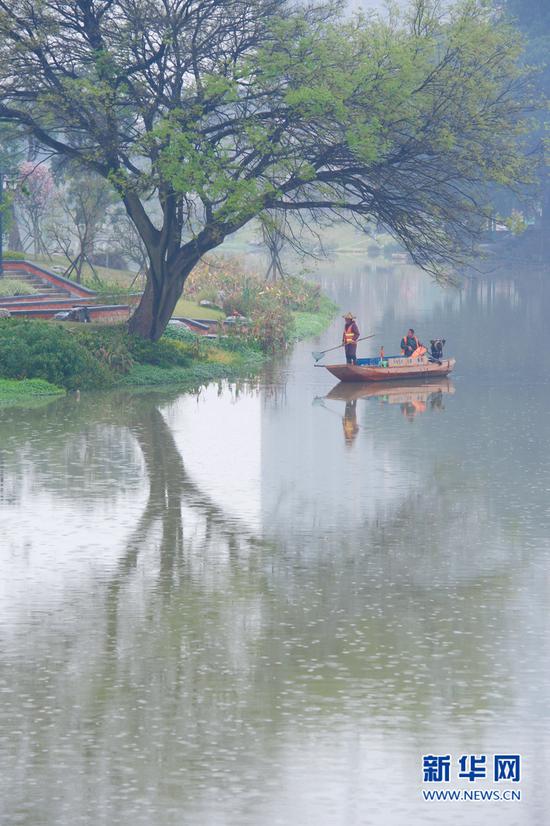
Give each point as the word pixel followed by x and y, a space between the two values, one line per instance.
pixel 409 343
pixel 349 338
pixel 436 348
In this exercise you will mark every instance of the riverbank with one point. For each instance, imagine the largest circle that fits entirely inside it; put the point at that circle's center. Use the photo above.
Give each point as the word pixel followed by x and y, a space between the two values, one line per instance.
pixel 41 357
pixel 229 358
pixel 308 325
pixel 14 392
pixel 253 319
pixel 212 364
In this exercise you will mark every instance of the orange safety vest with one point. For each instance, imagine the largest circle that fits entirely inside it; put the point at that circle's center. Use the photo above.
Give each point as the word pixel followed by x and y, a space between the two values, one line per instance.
pixel 349 335
pixel 405 340
pixel 420 351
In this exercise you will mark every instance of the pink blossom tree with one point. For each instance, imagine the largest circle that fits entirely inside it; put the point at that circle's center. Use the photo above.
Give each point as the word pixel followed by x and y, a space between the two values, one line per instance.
pixel 34 197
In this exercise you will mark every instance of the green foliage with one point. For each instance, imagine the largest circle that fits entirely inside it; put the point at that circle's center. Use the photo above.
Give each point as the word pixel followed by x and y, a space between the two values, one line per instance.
pixel 14 255
pixel 11 390
pixel 515 222
pixel 272 328
pixel 163 353
pixel 196 374
pixel 12 286
pixel 11 146
pixel 114 347
pixel 267 305
pixel 177 333
pixel 34 349
pixel 108 289
pixel 233 342
pixel 108 345
pixel 307 325
pixel 149 375
pixel 192 164
pixel 81 357
pixel 183 336
pixel 400 119
pixel 89 356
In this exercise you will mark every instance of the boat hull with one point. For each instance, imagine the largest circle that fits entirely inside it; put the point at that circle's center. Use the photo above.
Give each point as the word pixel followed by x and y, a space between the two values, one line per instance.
pixel 407 369
pixel 393 392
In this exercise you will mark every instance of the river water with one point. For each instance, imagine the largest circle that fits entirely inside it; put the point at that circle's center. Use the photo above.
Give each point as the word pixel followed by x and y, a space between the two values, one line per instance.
pixel 266 603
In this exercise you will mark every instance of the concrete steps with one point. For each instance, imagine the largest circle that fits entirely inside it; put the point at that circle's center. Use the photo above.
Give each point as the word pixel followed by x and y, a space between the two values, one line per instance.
pixel 53 293
pixel 35 298
pixel 41 286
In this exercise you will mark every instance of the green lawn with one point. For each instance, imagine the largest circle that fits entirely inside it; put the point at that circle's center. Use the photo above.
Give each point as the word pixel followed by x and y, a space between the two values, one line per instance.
pixel 189 309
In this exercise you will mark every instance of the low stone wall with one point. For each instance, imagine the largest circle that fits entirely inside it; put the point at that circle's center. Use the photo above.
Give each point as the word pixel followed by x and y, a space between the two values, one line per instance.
pixel 200 326
pixel 108 313
pixel 113 314
pixel 22 302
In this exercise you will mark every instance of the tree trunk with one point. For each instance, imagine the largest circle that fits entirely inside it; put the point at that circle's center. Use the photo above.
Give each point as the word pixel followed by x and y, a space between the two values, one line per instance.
pixel 160 296
pixel 14 238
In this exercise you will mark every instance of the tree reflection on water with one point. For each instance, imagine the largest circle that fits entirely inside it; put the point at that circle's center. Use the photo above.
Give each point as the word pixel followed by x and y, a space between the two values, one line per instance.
pixel 189 666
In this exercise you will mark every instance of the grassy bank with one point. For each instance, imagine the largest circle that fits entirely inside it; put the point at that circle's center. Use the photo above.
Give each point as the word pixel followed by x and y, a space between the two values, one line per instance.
pixel 27 391
pixel 190 309
pixel 95 356
pixel 218 365
pixel 307 325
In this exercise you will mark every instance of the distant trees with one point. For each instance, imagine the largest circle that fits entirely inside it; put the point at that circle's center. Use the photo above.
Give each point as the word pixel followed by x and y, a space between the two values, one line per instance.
pixel 533 19
pixel 274 240
pixel 223 110
pixel 33 199
pixel 128 243
pixel 81 216
pixel 11 153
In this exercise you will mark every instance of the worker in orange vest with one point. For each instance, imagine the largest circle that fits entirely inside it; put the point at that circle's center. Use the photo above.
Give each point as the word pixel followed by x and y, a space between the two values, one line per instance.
pixel 349 338
pixel 409 343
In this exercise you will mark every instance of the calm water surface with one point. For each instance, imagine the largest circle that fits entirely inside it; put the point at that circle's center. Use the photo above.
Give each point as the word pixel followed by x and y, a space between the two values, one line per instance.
pixel 263 604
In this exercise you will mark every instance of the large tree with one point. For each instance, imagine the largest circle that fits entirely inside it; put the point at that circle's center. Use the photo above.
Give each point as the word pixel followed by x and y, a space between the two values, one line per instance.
pixel 221 109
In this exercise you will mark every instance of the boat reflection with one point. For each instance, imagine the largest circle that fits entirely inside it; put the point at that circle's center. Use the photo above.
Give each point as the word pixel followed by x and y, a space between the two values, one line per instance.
pixel 412 397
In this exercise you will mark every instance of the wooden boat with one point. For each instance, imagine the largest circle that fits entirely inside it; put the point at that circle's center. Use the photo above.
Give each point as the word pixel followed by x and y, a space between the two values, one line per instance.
pixel 395 393
pixel 391 368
